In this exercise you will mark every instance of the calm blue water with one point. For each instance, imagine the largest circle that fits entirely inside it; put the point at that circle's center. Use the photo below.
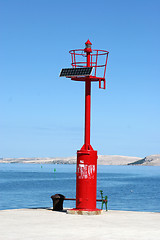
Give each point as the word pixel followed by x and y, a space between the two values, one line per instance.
pixel 132 188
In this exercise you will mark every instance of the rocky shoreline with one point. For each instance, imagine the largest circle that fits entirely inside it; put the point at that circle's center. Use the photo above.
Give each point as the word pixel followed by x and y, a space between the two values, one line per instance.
pixel 152 160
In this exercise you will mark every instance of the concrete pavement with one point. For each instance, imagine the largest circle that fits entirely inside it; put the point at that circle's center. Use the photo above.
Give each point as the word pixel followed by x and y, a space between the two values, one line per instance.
pixel 31 224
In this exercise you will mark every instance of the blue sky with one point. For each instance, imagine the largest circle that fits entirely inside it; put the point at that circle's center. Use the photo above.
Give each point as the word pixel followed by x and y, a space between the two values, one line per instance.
pixel 42 115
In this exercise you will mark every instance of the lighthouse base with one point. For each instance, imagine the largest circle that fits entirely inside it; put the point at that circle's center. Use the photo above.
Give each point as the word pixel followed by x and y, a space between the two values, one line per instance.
pixel 84 211
pixel 86 180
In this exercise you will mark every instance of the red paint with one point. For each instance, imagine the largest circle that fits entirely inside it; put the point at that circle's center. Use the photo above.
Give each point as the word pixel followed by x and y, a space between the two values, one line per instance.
pixel 86 180
pixel 88 42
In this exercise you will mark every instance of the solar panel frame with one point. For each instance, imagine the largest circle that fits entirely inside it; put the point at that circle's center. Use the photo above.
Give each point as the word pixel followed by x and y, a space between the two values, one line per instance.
pixel 71 72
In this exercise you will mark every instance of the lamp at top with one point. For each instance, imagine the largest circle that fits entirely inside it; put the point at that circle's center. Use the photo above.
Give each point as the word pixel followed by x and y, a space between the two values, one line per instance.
pixel 88 45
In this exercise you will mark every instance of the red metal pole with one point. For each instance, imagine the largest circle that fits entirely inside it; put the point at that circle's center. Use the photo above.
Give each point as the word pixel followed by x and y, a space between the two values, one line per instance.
pixel 86 180
pixel 87 107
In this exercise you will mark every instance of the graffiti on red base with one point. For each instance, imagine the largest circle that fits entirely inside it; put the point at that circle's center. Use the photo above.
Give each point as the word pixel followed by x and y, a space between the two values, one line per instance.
pixel 86 171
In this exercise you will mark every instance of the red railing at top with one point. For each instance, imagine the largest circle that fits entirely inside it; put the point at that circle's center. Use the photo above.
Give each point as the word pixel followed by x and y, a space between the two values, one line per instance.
pixel 98 60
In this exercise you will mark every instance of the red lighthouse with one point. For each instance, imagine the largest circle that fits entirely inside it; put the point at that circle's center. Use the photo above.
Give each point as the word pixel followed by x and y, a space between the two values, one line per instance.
pixel 87 71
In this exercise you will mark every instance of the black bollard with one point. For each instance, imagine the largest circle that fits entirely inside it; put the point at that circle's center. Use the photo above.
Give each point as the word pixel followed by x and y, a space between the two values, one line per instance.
pixel 57 202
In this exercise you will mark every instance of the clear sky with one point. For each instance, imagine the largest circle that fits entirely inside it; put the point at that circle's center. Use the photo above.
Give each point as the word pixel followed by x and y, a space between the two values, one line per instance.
pixel 42 115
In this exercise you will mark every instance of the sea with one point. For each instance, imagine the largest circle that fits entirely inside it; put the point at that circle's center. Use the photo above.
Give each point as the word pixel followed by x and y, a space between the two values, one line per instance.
pixel 128 188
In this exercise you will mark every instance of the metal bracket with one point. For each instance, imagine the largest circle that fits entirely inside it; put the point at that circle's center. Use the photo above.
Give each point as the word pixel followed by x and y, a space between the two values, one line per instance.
pixel 104 84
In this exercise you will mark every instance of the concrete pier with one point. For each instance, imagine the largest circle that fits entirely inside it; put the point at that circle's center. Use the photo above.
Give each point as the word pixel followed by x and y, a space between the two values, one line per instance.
pixel 45 224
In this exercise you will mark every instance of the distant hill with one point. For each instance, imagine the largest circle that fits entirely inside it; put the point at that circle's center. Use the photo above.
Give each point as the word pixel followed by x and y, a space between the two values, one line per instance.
pixel 60 160
pixel 116 160
pixel 152 160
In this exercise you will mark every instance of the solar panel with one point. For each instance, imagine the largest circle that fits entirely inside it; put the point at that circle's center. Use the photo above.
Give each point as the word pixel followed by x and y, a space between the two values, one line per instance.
pixel 69 72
